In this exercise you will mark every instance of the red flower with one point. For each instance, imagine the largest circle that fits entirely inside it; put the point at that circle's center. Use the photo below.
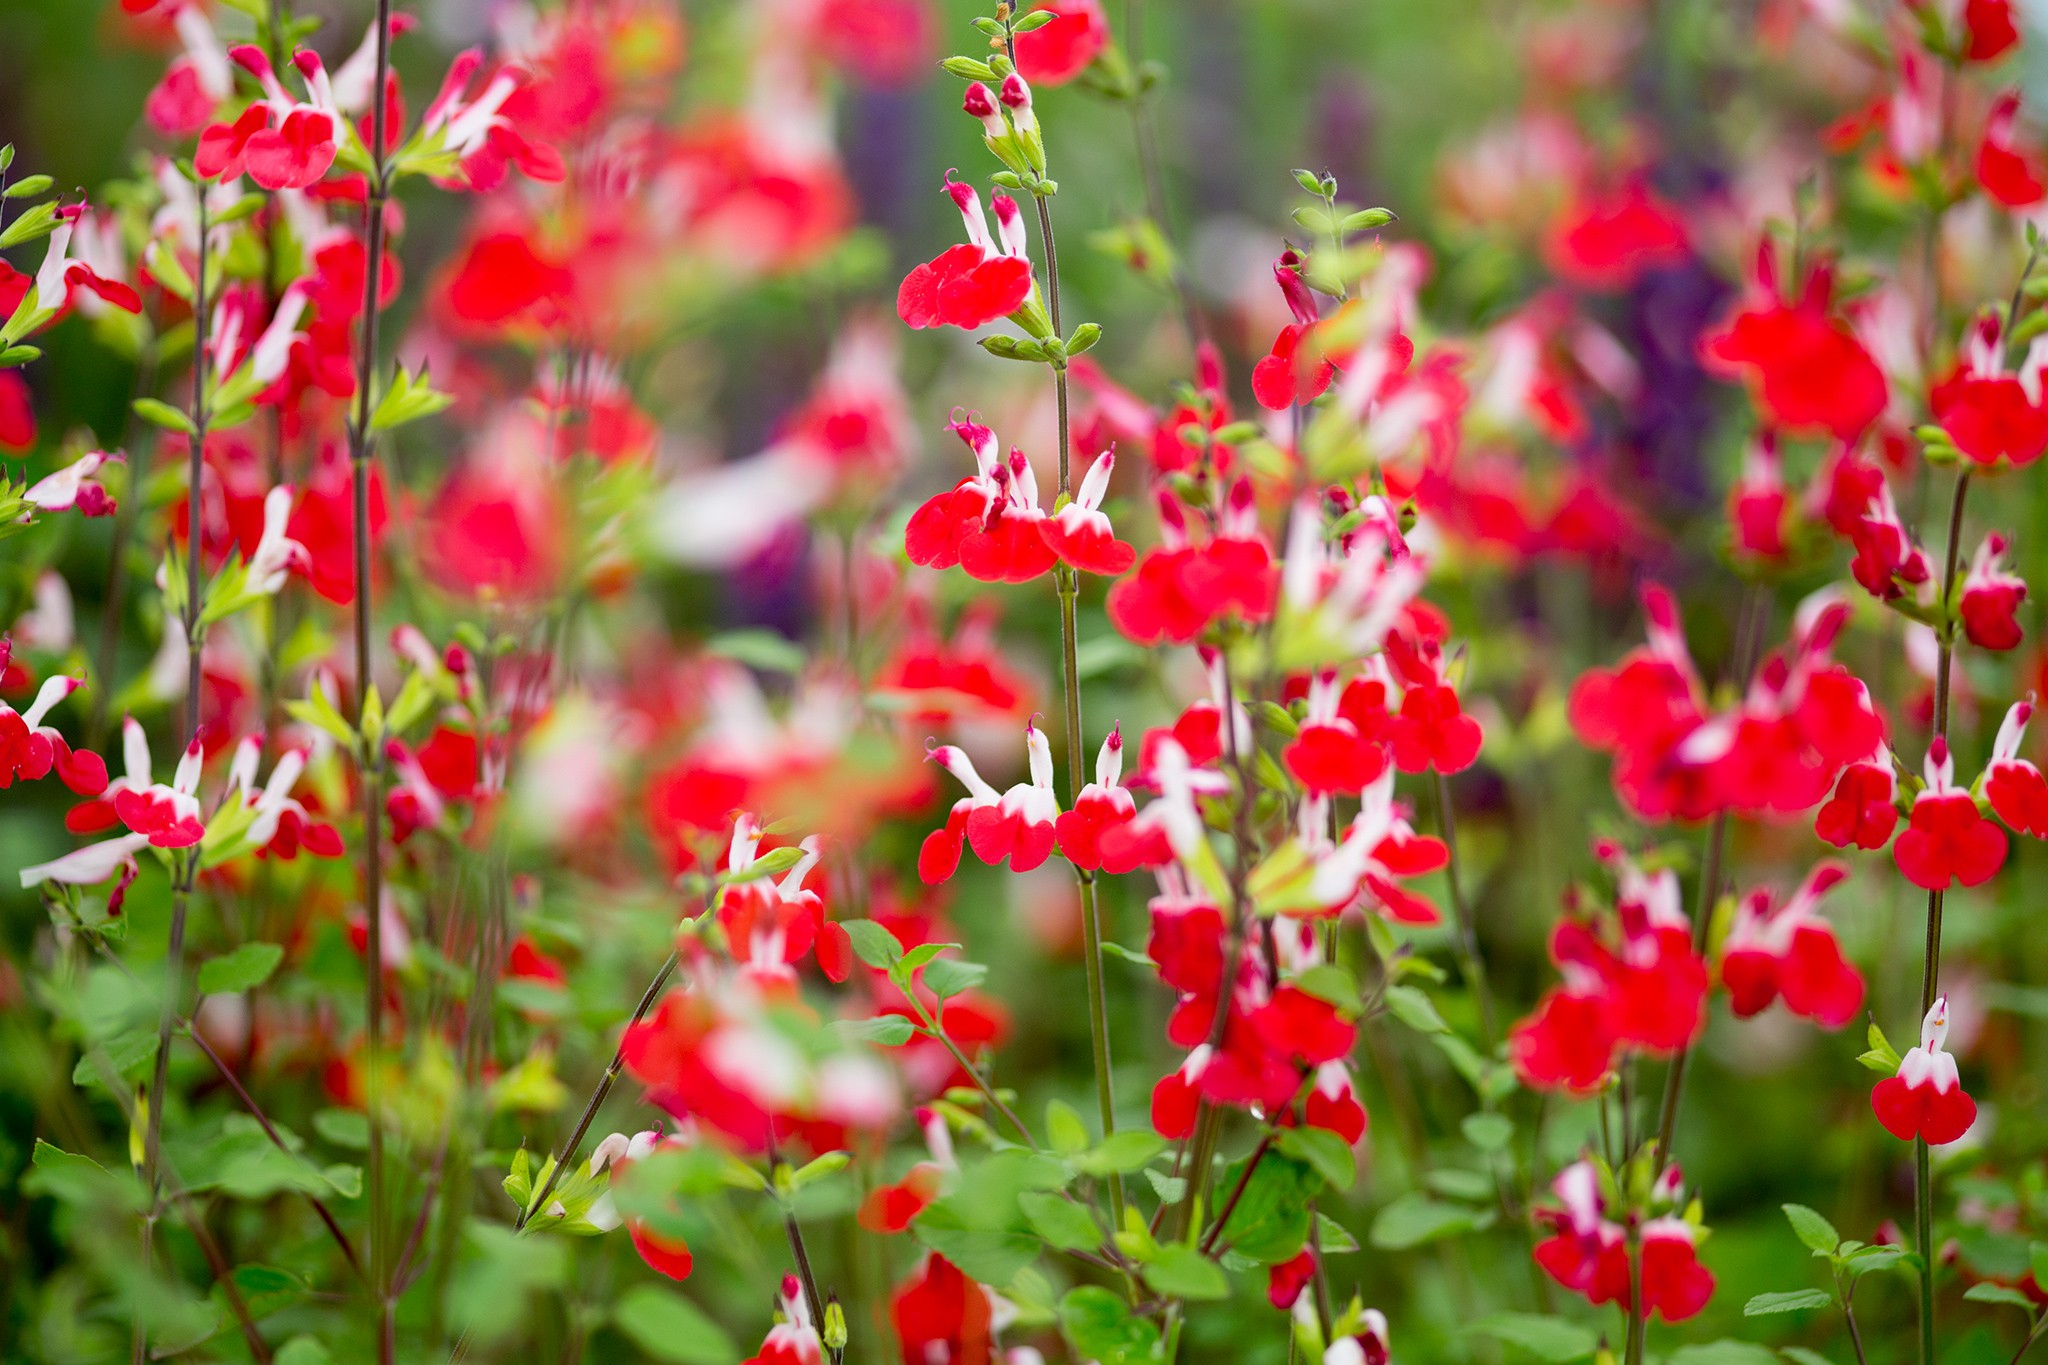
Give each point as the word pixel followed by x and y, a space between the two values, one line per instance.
pixel 1675 1286
pixel 2011 175
pixel 1990 598
pixel 1018 824
pixel 1432 729
pixel 1991 415
pixel 17 413
pixel 1925 1099
pixel 1789 950
pixel 1864 809
pixel 973 284
pixel 1064 48
pixel 1286 1280
pixel 794 1339
pixel 1100 807
pixel 940 1314
pixel 1180 589
pixel 30 750
pixel 1604 242
pixel 1947 839
pixel 1991 30
pixel 2016 789
pixel 1339 748
pixel 1332 1104
pixel 502 278
pixel 1810 371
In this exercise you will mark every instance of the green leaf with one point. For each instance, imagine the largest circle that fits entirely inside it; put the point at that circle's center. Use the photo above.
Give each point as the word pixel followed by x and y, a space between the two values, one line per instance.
pixel 1112 948
pixel 1817 1232
pixel 1270 1222
pixel 1474 1187
pixel 1171 1189
pixel 302 1350
pixel 872 943
pixel 947 977
pixel 1799 1355
pixel 1414 1219
pixel 1866 1259
pixel 1723 1353
pixel 1365 220
pixel 348 1128
pixel 36 222
pixel 1415 1009
pixel 409 398
pixel 1064 1128
pixel 1121 1153
pixel 244 969
pixel 1791 1301
pixel 1998 1293
pixel 1554 1340
pixel 129 1054
pixel 890 1030
pixel 1101 1328
pixel 1063 1223
pixel 669 1327
pixel 1488 1132
pixel 994 1258
pixel 164 415
pixel 762 649
pixel 1182 1272
pixel 1882 1058
pixel 1332 1237
pixel 1329 1154
pixel 2037 1261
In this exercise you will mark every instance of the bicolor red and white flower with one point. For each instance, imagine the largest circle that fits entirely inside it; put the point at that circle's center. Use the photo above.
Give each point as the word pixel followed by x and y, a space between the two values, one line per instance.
pixel 1019 825
pixel 984 278
pixel 1787 951
pixel 1925 1099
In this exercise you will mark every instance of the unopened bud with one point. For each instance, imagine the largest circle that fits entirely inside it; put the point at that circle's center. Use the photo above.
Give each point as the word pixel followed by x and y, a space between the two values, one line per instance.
pixel 978 101
pixel 1016 94
pixel 834 1334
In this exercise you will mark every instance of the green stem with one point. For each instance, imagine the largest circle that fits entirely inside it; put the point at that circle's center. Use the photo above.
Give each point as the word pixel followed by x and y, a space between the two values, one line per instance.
pixel 188 864
pixel 1068 587
pixel 362 452
pixel 1930 969
pixel 1468 931
pixel 597 1096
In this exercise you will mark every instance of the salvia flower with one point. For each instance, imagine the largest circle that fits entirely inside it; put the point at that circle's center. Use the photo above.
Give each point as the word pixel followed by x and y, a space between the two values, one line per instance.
pixel 1991 597
pixel 794 1339
pixel 2017 791
pixel 1947 839
pixel 30 750
pixel 984 278
pixel 1925 1099
pixel 1787 951
pixel 1993 416
pixel 1808 369
pixel 1019 824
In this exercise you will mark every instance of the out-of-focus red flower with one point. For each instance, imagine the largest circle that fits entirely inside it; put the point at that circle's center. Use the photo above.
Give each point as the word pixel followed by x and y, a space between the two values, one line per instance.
pixel 1604 241
pixel 1064 48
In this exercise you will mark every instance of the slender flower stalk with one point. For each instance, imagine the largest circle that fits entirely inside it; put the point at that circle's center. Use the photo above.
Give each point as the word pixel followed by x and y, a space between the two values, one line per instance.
pixel 567 1153
pixel 361 453
pixel 1930 966
pixel 1469 958
pixel 188 864
pixel 1068 588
